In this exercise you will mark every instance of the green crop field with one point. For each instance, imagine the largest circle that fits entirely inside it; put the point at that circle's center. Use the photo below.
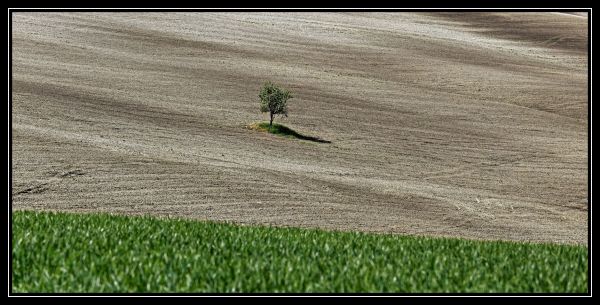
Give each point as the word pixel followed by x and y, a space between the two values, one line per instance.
pixel 55 252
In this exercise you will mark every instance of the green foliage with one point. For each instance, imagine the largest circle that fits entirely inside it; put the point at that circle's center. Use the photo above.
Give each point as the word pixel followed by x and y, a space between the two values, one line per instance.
pixel 56 252
pixel 274 100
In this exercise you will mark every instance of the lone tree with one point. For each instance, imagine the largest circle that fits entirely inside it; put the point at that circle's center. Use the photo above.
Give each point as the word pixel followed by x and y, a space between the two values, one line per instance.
pixel 274 100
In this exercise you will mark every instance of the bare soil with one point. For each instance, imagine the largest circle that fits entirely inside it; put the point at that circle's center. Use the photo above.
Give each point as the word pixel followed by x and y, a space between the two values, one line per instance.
pixel 467 124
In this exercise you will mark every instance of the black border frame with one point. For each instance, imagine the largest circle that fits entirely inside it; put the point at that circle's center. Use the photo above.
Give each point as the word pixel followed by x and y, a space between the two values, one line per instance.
pixel 146 10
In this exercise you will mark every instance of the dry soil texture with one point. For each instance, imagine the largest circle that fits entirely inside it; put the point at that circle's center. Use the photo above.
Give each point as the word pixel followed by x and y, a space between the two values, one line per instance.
pixel 462 124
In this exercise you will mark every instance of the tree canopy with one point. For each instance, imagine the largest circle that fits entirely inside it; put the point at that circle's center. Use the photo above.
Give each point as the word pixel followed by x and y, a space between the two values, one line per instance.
pixel 274 100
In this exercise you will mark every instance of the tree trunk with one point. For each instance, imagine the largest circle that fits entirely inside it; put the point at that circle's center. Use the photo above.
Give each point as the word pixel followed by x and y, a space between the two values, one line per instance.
pixel 271 122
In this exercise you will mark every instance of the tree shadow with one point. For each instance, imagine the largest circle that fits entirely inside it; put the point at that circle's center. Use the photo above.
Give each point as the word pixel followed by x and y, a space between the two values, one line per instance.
pixel 288 132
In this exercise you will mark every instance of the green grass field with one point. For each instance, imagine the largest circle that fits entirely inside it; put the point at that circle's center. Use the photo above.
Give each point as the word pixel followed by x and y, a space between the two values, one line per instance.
pixel 54 252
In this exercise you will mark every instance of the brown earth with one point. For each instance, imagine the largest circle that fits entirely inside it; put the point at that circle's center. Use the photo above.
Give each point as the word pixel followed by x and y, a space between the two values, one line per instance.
pixel 463 124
